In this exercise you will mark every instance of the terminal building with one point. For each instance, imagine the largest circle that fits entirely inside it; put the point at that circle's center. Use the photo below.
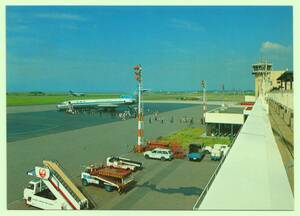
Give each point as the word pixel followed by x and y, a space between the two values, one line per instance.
pixel 258 172
pixel 224 121
pixel 275 85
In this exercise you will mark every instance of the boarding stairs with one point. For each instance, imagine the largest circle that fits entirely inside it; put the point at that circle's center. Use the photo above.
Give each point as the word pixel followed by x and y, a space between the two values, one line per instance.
pixel 65 186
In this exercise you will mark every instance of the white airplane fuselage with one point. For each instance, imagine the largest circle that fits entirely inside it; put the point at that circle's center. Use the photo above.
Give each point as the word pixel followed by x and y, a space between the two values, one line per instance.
pixel 95 103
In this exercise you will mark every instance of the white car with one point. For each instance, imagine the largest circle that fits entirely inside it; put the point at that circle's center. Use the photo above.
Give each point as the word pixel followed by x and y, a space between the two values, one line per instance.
pixel 159 153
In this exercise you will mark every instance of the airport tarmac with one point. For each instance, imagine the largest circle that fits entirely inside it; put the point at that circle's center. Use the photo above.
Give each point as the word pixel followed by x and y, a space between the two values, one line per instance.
pixel 78 147
pixel 24 125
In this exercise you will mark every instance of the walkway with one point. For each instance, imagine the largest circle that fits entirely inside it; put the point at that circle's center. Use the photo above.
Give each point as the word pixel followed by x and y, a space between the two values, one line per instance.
pixel 253 176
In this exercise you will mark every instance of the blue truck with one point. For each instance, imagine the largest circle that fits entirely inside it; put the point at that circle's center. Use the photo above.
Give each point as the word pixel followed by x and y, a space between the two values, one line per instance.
pixel 196 152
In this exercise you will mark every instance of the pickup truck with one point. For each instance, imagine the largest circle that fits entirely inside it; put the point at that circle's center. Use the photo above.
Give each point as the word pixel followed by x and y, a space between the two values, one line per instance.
pixel 109 178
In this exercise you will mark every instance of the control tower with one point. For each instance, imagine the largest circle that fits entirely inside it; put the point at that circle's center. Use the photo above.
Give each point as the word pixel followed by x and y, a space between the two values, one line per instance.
pixel 261 71
pixel 265 78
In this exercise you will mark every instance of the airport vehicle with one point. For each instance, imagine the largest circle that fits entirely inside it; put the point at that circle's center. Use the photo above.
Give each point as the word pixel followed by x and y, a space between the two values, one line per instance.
pixel 222 147
pixel 123 163
pixel 52 189
pixel 108 177
pixel 177 150
pixel 216 154
pixel 76 94
pixel 159 153
pixel 95 103
pixel 196 152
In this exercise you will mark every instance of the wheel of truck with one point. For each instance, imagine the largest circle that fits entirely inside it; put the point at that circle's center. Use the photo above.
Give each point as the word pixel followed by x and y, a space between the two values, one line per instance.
pixel 84 182
pixel 25 203
pixel 163 158
pixel 147 156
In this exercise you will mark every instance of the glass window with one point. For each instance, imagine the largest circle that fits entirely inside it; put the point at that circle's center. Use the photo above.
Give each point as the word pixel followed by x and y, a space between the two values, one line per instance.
pixel 30 186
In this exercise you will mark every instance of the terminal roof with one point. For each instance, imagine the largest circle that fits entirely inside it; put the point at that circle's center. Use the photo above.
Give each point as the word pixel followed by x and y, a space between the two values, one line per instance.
pixel 234 110
pixel 252 176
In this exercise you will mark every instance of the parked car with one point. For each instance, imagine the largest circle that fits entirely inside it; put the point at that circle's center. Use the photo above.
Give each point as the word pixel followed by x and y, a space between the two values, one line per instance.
pixel 196 152
pixel 159 153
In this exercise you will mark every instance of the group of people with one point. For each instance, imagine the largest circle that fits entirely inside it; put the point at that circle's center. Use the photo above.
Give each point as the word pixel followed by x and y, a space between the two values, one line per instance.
pixel 187 120
pixel 158 118
pixel 127 114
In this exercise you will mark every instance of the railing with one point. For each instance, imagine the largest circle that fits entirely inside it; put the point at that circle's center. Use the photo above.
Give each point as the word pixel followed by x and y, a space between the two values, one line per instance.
pixel 204 192
pixel 62 181
pixel 285 98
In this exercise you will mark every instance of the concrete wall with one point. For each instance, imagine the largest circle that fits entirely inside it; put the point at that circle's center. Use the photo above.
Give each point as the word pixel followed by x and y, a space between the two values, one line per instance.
pixel 224 118
pixel 283 111
pixel 284 98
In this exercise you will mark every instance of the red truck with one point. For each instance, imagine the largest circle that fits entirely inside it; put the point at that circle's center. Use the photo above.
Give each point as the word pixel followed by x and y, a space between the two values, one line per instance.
pixel 109 178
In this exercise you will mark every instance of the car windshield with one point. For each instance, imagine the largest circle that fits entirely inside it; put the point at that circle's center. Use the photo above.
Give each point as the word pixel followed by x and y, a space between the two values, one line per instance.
pixel 30 186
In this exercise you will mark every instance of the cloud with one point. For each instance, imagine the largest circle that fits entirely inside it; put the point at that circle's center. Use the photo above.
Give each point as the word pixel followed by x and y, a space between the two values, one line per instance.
pixel 187 25
pixel 61 16
pixel 273 47
pixel 281 56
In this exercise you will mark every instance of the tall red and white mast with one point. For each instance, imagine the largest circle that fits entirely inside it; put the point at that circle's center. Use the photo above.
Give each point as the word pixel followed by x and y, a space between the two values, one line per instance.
pixel 138 77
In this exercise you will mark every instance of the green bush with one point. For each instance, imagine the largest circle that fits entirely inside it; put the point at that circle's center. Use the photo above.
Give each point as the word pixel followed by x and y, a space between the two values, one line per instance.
pixel 187 136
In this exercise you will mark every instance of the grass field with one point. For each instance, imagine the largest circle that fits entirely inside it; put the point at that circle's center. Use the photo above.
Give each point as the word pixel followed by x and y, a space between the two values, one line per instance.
pixel 19 99
pixel 211 96
pixel 187 136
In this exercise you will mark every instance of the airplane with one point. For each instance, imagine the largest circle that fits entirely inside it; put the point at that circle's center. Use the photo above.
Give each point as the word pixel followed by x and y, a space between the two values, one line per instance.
pixel 76 94
pixel 108 104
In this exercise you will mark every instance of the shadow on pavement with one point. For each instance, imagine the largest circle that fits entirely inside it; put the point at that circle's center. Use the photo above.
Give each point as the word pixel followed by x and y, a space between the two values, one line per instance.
pixel 186 191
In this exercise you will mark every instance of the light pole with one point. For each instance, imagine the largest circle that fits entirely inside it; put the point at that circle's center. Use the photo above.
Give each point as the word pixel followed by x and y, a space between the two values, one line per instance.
pixel 138 77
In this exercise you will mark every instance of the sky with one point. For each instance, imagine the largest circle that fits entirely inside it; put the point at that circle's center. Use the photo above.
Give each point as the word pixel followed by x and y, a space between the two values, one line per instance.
pixel 94 48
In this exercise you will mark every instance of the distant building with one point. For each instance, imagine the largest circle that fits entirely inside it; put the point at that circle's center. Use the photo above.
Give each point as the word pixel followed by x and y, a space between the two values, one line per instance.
pixel 224 121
